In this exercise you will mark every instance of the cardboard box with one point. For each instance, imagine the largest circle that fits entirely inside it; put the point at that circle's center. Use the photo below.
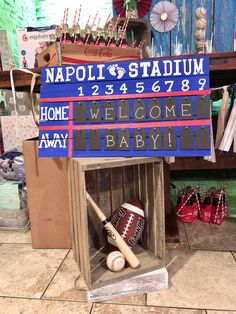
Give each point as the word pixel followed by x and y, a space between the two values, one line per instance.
pixel 66 53
pixel 31 42
pixel 47 190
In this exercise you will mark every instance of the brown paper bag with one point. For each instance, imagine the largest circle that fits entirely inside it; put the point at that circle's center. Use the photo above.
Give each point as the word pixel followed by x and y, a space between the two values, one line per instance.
pixel 48 200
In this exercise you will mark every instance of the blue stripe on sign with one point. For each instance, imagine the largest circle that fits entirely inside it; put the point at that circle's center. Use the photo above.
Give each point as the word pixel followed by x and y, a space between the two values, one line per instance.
pixel 56 153
pixel 55 144
pixel 58 113
pixel 124 88
pixel 53 135
pixel 112 71
pixel 54 113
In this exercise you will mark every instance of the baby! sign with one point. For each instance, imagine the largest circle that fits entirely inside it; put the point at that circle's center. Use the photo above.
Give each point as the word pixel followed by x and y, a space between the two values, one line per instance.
pixel 155 107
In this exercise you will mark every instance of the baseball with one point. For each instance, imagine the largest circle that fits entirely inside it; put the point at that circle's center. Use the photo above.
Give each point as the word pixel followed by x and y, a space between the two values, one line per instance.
pixel 115 261
pixel 200 12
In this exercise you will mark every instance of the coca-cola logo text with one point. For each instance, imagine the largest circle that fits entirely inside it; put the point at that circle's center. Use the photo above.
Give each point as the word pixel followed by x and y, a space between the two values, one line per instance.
pixel 102 52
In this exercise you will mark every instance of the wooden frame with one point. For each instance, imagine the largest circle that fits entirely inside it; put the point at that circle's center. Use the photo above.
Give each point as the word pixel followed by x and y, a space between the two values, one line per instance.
pixel 110 182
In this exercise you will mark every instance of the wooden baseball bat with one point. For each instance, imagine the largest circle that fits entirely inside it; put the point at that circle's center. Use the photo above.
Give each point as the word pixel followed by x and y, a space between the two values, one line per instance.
pixel 113 233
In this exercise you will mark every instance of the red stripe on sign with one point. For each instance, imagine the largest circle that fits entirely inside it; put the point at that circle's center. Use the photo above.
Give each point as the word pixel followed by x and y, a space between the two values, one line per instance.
pixel 79 61
pixel 70 129
pixel 203 122
pixel 128 96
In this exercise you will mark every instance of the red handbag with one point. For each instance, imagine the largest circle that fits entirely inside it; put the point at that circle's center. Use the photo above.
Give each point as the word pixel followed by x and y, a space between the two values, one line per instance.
pixel 188 204
pixel 214 207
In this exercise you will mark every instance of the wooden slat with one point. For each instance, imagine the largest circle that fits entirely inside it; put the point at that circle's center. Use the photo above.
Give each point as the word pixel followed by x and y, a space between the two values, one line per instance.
pixel 162 43
pixel 113 162
pixel 104 192
pixel 94 225
pixel 144 186
pixel 116 188
pixel 149 210
pixel 159 211
pixel 128 183
pixel 71 209
pixel 74 214
pixel 224 34
pixel 151 223
pixel 136 181
pixel 82 223
pixel 181 31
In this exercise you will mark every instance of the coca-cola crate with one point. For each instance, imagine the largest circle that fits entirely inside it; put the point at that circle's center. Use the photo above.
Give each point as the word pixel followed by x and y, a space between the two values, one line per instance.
pixel 67 53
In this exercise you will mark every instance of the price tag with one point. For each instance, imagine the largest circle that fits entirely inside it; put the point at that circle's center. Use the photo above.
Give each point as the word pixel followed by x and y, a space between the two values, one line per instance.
pixel 123 111
pixel 79 140
pixel 94 140
pixel 79 113
pixel 186 138
pixel 203 107
pixel 154 110
pixel 109 111
pixel 139 139
pixel 169 139
pixel 139 110
pixel 123 139
pixel 186 109
pixel 95 112
pixel 155 139
pixel 203 138
pixel 110 140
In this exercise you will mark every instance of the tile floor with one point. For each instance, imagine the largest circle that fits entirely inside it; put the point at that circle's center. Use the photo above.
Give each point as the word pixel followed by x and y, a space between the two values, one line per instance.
pixel 202 272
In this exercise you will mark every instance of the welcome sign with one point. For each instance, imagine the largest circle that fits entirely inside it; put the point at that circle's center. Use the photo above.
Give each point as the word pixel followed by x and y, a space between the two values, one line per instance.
pixel 156 107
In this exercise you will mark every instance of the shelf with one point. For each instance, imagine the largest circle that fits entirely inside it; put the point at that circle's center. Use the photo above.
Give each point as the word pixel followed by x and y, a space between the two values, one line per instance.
pixel 224 160
pixel 22 80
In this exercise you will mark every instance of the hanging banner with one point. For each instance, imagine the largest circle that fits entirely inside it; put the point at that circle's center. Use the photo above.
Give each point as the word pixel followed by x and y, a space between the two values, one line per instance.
pixel 155 107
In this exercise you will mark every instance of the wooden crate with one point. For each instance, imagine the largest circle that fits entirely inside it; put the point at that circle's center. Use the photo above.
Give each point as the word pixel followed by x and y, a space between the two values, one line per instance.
pixel 110 182
pixel 66 53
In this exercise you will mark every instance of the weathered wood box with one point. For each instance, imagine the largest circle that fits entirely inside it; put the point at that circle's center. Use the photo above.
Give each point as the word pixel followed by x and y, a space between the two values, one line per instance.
pixel 66 53
pixel 110 182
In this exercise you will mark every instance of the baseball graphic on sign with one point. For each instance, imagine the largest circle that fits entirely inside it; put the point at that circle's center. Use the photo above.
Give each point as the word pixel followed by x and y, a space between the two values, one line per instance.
pixel 115 261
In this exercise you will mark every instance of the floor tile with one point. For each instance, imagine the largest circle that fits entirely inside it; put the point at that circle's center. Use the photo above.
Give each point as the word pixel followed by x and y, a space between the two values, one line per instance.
pixel 26 272
pixel 220 312
pixel 212 237
pixel 27 306
pixel 67 285
pixel 132 300
pixel 183 238
pixel 234 254
pixel 15 237
pixel 199 279
pixel 121 309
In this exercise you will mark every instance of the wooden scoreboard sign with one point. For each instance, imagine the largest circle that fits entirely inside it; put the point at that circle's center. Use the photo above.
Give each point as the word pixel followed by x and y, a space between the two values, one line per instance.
pixel 156 107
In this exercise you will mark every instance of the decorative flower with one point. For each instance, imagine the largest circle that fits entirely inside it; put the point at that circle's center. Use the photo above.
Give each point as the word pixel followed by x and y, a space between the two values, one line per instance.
pixel 164 16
